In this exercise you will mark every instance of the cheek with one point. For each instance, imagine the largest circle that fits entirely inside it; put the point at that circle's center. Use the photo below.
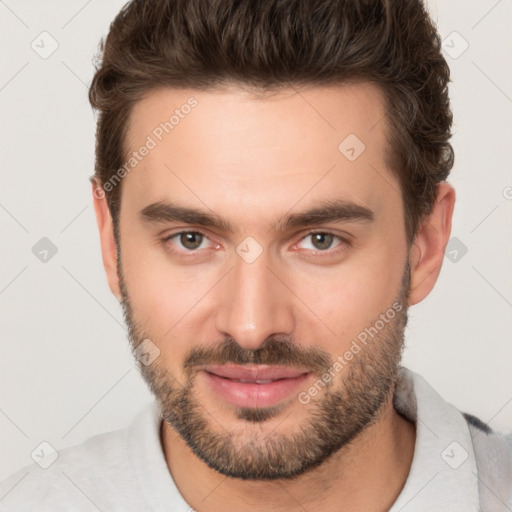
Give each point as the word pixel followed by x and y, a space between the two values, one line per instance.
pixel 162 302
pixel 160 293
pixel 350 297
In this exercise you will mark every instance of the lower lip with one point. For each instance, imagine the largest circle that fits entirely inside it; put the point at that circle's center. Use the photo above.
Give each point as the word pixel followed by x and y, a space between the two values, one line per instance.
pixel 245 394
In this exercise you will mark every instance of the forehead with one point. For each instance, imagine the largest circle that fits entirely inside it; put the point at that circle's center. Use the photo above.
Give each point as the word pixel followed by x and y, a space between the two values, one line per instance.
pixel 229 148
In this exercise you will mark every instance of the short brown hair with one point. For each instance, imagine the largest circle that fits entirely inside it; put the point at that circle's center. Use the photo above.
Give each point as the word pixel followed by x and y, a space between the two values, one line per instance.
pixel 272 44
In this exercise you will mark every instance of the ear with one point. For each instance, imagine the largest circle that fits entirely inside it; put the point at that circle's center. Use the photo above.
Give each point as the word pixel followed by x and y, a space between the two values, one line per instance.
pixel 107 239
pixel 427 251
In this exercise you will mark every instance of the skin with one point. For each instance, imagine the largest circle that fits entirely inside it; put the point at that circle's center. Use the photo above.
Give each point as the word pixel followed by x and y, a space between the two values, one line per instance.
pixel 254 160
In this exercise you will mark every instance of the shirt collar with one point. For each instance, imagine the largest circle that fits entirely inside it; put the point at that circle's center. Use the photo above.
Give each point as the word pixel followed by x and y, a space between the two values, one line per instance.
pixel 147 456
pixel 443 474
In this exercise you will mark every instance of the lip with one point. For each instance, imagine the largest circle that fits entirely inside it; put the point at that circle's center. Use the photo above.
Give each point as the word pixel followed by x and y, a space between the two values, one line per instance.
pixel 253 386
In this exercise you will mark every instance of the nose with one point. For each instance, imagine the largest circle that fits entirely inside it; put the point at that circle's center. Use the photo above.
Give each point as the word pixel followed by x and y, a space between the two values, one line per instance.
pixel 253 304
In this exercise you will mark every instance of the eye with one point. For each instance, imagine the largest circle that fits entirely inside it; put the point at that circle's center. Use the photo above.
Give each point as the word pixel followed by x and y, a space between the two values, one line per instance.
pixel 187 240
pixel 321 241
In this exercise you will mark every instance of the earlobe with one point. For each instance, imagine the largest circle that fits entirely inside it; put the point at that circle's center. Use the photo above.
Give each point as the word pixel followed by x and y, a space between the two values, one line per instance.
pixel 427 251
pixel 107 239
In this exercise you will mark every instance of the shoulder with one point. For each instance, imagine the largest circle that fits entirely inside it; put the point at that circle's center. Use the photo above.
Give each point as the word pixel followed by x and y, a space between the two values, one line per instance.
pixel 74 478
pixel 493 454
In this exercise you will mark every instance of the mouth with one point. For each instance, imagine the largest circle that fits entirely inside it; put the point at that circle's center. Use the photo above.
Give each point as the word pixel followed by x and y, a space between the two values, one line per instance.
pixel 253 386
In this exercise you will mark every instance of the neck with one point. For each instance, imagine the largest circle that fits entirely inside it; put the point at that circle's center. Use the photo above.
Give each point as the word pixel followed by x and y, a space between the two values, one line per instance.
pixel 368 474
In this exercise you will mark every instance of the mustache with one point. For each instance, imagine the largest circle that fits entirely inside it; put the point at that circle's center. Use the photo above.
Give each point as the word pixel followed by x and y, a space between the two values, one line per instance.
pixel 275 351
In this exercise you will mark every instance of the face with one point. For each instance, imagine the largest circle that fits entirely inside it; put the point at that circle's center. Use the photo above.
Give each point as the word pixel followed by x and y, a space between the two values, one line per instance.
pixel 262 256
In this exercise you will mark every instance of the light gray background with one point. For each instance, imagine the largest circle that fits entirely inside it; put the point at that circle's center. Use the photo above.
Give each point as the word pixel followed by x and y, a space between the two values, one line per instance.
pixel 66 371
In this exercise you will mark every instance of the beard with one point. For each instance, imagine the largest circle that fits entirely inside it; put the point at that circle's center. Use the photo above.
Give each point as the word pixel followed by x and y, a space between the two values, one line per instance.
pixel 349 403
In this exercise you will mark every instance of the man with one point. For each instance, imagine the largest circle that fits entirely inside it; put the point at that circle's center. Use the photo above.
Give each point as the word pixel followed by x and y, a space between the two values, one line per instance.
pixel 271 197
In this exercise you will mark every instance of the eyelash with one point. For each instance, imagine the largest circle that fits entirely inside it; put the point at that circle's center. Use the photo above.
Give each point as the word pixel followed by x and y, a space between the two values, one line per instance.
pixel 344 243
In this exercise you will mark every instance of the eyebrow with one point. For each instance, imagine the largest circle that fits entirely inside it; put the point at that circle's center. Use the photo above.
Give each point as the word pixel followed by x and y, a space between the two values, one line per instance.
pixel 335 210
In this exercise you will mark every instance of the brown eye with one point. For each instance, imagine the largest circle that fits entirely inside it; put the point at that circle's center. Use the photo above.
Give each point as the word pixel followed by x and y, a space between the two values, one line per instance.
pixel 323 244
pixel 191 240
pixel 322 241
pixel 189 245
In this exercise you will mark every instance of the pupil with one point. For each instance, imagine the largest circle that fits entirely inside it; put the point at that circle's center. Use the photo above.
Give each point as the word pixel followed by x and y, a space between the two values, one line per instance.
pixel 191 240
pixel 324 240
